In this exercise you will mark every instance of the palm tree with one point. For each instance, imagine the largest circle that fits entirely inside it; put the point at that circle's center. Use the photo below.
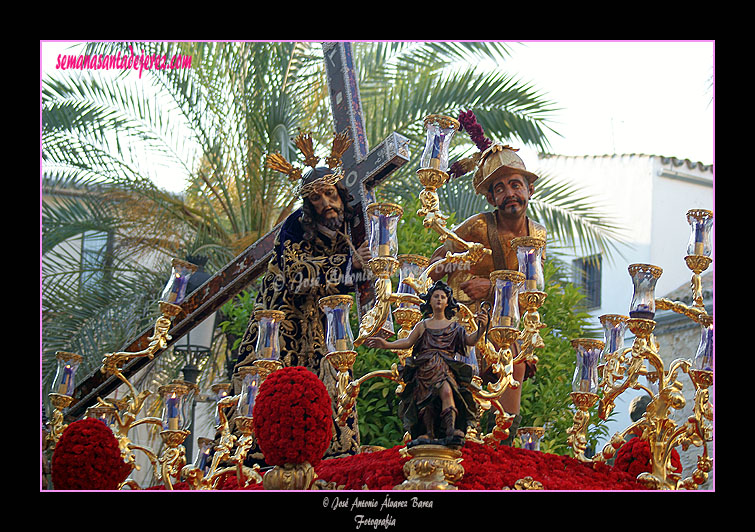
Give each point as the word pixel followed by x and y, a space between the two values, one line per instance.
pixel 106 138
pixel 215 122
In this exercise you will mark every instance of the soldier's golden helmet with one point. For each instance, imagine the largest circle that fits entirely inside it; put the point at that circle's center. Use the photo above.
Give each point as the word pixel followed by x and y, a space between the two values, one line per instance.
pixel 496 161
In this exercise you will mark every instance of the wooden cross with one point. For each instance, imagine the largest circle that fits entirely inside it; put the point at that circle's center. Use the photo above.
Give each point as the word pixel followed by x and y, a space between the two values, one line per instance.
pixel 363 171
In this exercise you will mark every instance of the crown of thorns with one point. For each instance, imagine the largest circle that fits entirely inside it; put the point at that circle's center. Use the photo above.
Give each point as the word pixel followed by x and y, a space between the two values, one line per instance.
pixel 303 141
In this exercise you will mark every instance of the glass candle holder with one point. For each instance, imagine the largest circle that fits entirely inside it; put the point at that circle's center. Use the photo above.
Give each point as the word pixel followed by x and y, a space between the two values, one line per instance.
pixel 614 329
pixel 506 285
pixel 588 353
pixel 175 289
pixel 173 395
pixel 529 253
pixel 384 219
pixel 338 335
pixel 220 390
pixel 439 132
pixel 250 385
pixel 701 223
pixel 410 267
pixel 704 357
pixel 529 437
pixel 104 413
pixel 64 382
pixel 268 339
pixel 203 460
pixel 188 401
pixel 644 278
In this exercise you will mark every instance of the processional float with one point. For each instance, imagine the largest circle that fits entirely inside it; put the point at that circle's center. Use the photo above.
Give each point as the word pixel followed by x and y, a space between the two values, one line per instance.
pixel 604 369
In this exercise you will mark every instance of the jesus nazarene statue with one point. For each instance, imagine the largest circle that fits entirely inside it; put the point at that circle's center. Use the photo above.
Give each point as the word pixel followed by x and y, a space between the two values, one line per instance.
pixel 313 257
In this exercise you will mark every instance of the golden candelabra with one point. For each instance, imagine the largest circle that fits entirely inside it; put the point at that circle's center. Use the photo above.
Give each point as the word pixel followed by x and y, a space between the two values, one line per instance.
pixel 224 452
pixel 127 417
pixel 232 449
pixel 383 265
pixel 122 415
pixel 621 369
pixel 605 369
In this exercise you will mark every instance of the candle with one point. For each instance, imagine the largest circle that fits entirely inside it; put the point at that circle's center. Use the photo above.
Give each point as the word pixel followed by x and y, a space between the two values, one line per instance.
pixel 204 459
pixel 173 412
pixel 339 332
pixel 699 234
pixel 529 437
pixel 267 347
pixel 384 235
pixel 222 392
pixel 704 356
pixel 504 318
pixel 644 278
pixel 471 359
pixel 615 339
pixel 531 269
pixel 435 154
pixel 701 221
pixel 265 342
pixel 66 381
pixel 176 290
pixel 584 383
pixel 588 353
pixel 251 396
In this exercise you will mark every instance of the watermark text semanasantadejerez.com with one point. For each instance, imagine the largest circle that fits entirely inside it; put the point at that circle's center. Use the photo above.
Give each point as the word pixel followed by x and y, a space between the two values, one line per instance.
pixel 124 61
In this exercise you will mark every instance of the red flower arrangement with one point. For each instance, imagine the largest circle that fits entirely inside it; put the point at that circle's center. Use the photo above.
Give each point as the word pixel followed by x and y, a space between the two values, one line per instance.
pixel 87 457
pixel 485 468
pixel 380 470
pixel 293 417
pixel 634 458
pixel 489 468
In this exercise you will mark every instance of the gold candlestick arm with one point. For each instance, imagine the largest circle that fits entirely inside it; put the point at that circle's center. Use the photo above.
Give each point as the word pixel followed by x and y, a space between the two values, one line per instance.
pixel 694 313
pixel 698 264
pixel 577 439
pixel 348 391
pixel 383 268
pixel 245 475
pixel 173 458
pixel 531 325
pixel 158 341
pixel 655 426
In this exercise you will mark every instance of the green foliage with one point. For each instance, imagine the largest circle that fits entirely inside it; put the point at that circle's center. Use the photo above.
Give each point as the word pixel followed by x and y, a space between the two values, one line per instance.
pixel 237 312
pixel 377 403
pixel 412 236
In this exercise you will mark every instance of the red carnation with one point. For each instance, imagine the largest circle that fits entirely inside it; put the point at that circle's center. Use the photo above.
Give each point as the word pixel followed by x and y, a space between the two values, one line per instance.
pixel 87 457
pixel 293 417
pixel 634 458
